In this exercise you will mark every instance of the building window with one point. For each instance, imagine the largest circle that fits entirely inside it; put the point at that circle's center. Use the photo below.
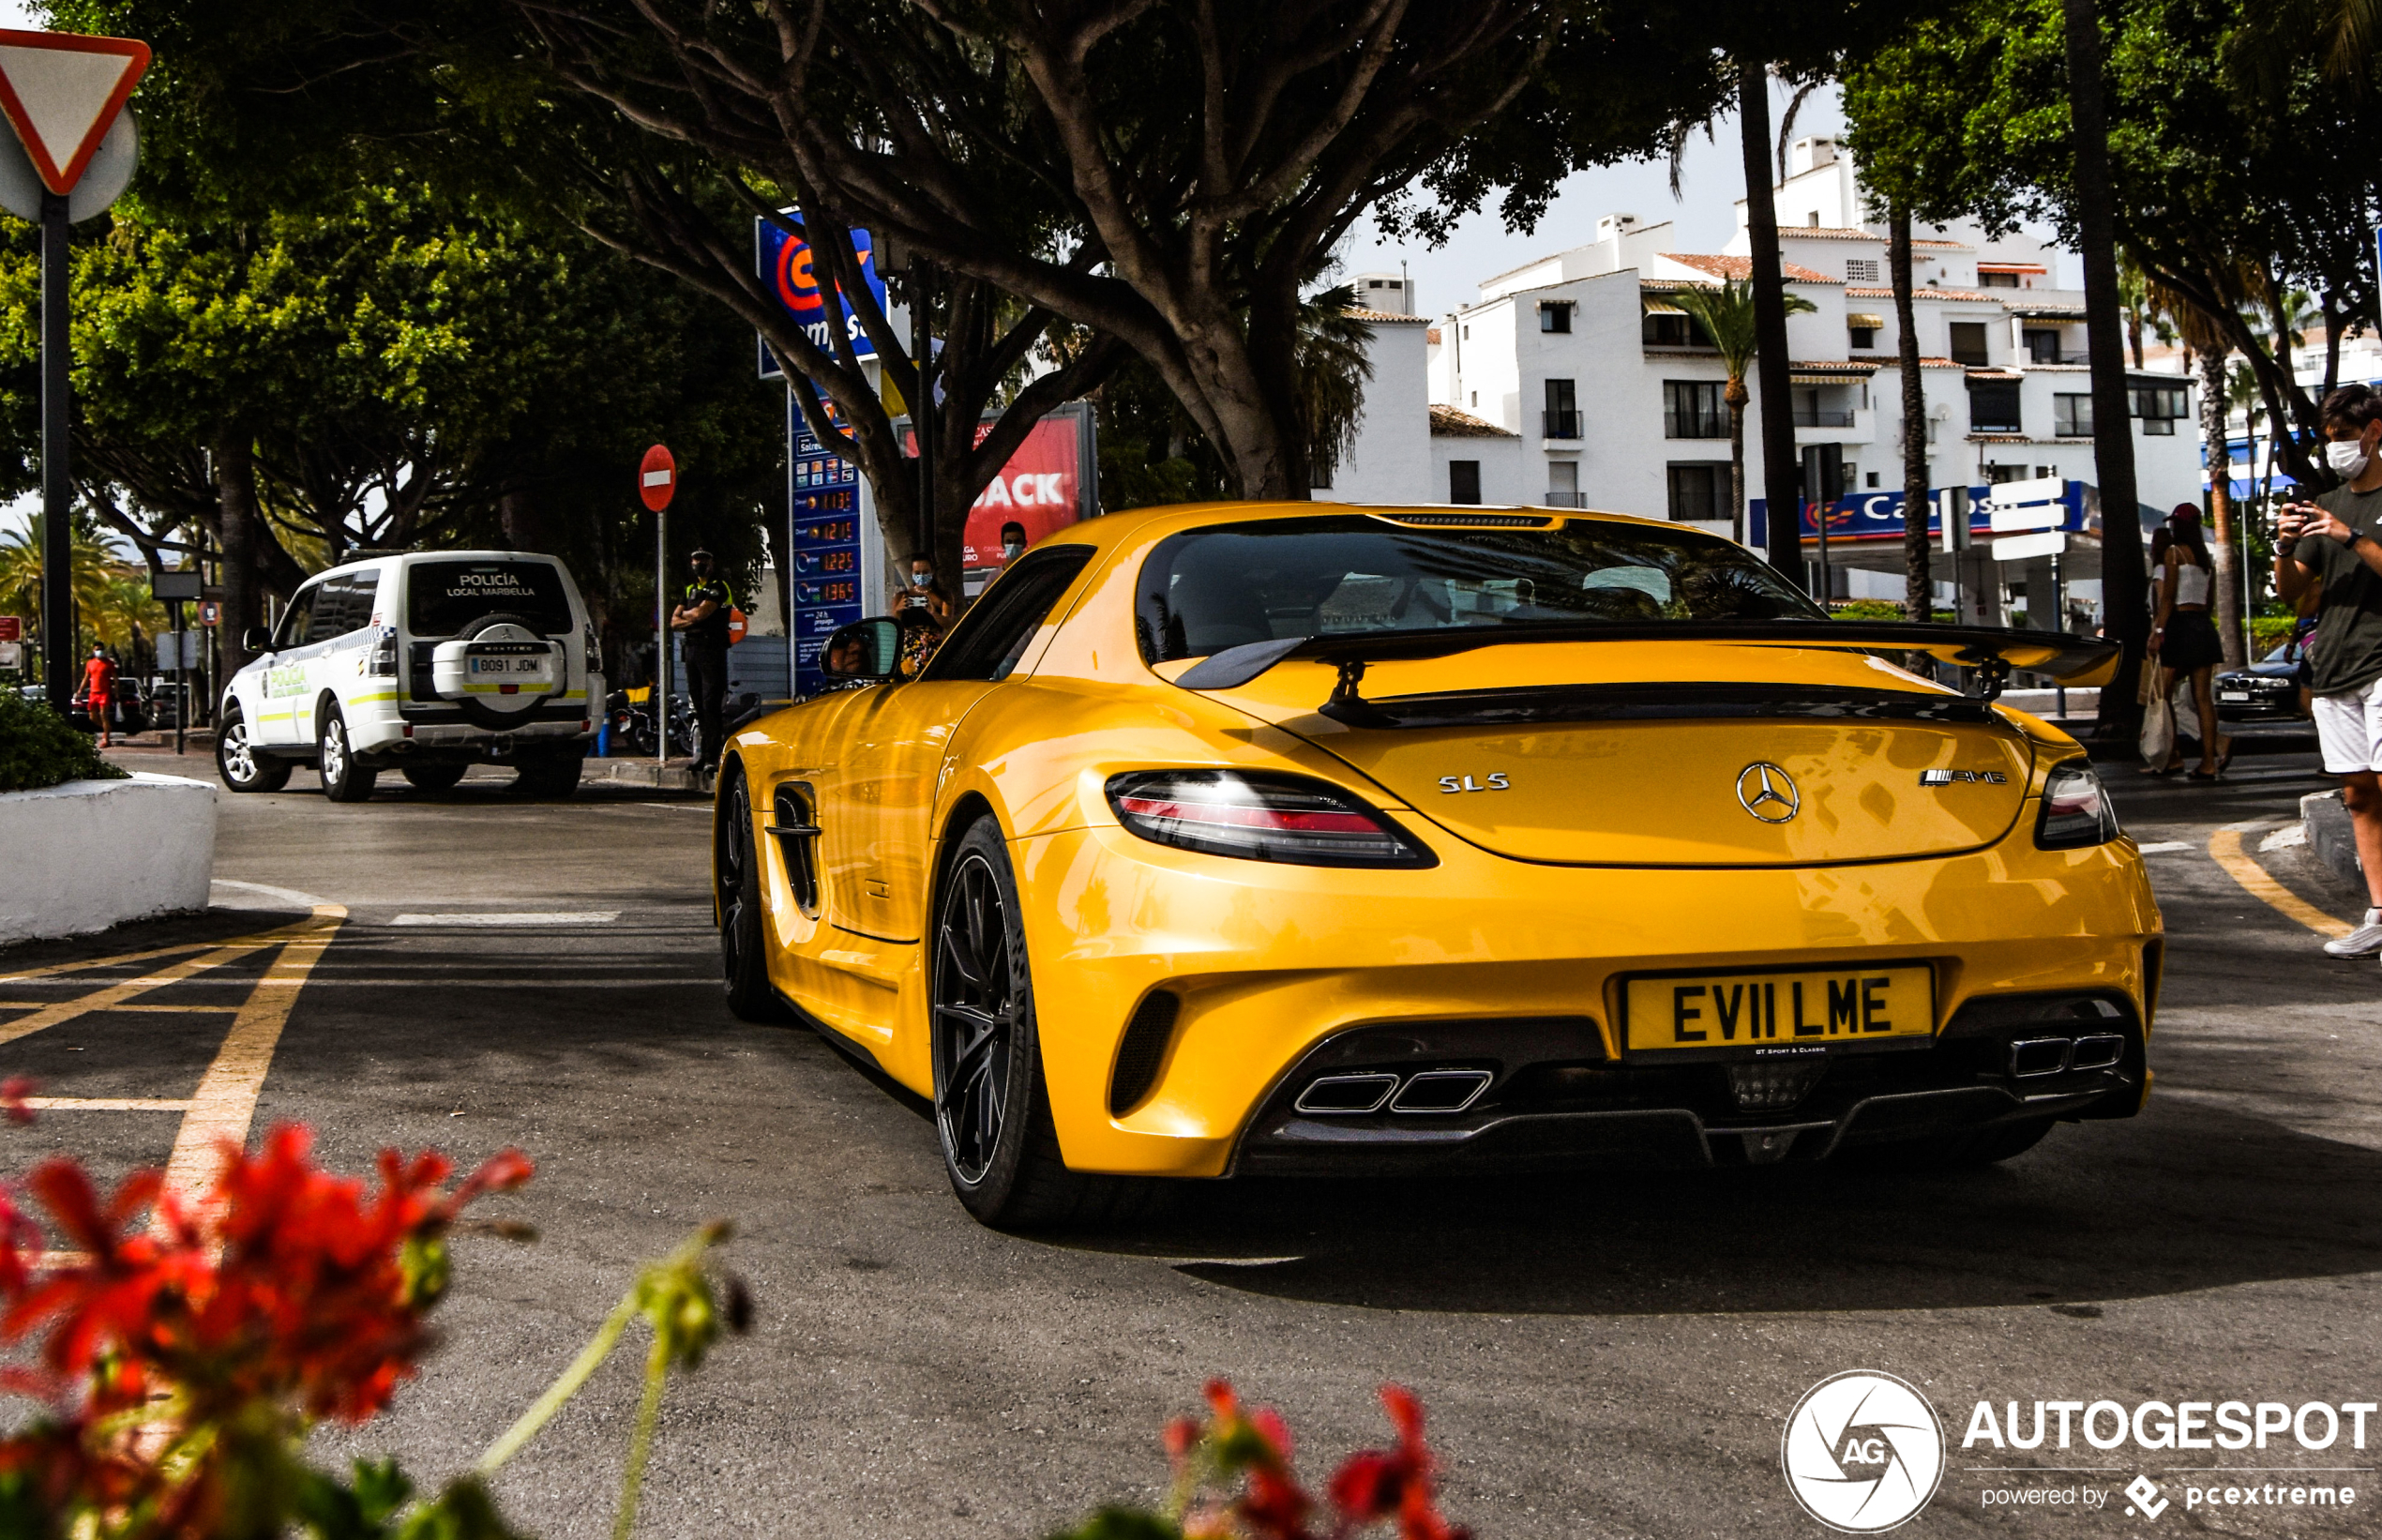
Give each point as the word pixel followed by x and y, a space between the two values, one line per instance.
pixel 1463 480
pixel 1969 342
pixel 2043 345
pixel 1860 270
pixel 1993 407
pixel 1873 479
pixel 1562 484
pixel 2159 407
pixel 1693 409
pixel 2072 417
pixel 1563 419
pixel 1554 315
pixel 1863 330
pixel 1698 492
pixel 1998 280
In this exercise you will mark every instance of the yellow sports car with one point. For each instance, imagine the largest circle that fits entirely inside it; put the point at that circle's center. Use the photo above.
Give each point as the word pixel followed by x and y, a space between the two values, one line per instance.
pixel 1281 838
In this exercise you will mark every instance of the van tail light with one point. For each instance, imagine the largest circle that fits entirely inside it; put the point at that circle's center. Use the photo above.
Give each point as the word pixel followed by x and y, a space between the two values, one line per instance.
pixel 383 662
pixel 2077 811
pixel 1260 817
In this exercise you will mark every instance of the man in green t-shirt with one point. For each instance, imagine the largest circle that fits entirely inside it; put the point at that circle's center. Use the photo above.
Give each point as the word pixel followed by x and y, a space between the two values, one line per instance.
pixel 2334 541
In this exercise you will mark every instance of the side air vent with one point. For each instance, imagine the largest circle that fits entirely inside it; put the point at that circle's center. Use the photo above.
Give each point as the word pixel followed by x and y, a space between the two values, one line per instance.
pixel 1143 1049
pixel 797 839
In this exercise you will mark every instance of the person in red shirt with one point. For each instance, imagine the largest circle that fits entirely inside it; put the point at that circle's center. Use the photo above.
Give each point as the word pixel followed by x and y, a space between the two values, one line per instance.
pixel 99 690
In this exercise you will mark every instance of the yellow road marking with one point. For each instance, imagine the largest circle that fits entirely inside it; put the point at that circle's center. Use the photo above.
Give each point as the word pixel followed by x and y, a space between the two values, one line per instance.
pixel 249 942
pixel 225 1102
pixel 2224 849
pixel 108 1104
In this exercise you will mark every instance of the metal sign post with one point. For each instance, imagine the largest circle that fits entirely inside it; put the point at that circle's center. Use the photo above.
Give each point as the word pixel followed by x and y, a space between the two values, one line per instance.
pixel 73 153
pixel 175 588
pixel 657 479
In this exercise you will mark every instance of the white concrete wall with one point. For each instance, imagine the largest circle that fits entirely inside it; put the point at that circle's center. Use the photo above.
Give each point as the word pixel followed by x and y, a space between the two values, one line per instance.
pixel 93 854
pixel 1502 480
pixel 1391 462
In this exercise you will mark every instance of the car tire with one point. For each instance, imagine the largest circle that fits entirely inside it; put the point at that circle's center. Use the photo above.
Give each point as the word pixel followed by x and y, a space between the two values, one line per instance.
pixel 744 929
pixel 993 1107
pixel 343 778
pixel 237 761
pixel 433 777
pixel 551 774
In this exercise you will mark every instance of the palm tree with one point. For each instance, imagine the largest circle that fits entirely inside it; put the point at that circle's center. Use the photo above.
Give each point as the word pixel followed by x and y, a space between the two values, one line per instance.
pixel 89 560
pixel 1334 367
pixel 1725 313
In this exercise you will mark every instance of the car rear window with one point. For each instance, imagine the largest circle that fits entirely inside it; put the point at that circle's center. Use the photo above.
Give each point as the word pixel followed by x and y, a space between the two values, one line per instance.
pixel 1335 575
pixel 443 597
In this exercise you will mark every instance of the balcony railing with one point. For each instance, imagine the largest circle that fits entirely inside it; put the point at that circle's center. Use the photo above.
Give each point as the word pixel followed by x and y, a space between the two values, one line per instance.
pixel 1560 425
pixel 1563 499
pixel 1812 417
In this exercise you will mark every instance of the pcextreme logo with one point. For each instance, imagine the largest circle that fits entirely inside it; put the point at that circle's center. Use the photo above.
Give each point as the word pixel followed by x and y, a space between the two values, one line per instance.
pixel 1863 1452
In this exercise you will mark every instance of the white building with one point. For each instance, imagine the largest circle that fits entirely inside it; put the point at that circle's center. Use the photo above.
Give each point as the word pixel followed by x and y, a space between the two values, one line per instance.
pixel 1574 381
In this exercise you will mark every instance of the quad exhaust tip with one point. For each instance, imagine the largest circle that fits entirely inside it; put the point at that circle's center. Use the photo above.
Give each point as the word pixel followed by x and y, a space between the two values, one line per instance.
pixel 2031 1058
pixel 1433 1093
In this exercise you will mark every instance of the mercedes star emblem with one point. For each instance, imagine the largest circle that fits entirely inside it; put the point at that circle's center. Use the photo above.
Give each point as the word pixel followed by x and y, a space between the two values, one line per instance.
pixel 1767 792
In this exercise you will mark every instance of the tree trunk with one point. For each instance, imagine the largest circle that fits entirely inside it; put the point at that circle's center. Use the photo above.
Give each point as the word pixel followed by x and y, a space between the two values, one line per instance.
pixel 243 577
pixel 2124 581
pixel 523 520
pixel 1737 397
pixel 2222 550
pixel 1781 471
pixel 1919 590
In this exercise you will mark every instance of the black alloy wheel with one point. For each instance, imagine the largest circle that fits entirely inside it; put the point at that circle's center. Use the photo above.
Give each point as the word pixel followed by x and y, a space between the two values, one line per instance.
pixel 238 762
pixel 736 890
pixel 993 1111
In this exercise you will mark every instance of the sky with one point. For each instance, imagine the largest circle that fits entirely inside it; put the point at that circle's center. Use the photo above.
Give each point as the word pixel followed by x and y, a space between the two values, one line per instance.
pixel 1706 213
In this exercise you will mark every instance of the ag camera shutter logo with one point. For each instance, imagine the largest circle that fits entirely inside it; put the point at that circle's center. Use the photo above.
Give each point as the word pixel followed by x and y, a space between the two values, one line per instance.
pixel 1863 1452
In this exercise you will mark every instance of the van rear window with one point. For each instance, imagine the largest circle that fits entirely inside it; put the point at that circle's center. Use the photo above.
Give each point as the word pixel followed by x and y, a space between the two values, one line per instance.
pixel 443 597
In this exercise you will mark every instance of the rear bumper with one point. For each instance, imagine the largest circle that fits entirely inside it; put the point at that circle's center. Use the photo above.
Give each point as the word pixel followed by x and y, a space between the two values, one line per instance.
pixel 1272 965
pixel 1543 1110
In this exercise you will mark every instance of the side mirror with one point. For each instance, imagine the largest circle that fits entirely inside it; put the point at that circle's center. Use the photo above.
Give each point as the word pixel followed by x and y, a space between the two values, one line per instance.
pixel 863 651
pixel 256 638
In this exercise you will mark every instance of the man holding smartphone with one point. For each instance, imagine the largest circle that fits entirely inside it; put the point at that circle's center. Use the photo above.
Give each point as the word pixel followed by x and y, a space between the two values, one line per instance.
pixel 2333 541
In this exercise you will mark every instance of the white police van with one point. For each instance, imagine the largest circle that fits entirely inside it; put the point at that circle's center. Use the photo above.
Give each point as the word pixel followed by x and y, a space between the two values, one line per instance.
pixel 425 664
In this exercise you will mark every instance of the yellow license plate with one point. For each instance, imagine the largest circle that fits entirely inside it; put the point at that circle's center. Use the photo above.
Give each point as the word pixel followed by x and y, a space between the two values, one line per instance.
pixel 1758 1015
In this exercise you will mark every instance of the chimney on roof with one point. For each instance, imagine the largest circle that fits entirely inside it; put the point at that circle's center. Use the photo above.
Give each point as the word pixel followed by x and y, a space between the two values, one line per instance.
pixel 1810 154
pixel 1614 226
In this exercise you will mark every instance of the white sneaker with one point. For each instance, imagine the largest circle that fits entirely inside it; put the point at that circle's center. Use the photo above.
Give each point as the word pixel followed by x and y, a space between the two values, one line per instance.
pixel 2364 941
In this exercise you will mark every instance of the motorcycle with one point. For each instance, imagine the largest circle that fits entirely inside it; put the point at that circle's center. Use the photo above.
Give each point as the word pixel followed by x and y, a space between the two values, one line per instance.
pixel 628 727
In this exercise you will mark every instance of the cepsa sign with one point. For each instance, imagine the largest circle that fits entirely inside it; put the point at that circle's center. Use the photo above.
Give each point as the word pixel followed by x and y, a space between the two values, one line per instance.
pixel 786 260
pixel 1048 484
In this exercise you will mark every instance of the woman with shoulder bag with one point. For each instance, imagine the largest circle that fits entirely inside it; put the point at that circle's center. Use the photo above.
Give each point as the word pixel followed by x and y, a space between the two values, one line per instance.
pixel 2184 637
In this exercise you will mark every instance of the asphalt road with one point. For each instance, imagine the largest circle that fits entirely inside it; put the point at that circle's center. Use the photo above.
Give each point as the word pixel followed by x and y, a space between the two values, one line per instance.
pixel 1601 1355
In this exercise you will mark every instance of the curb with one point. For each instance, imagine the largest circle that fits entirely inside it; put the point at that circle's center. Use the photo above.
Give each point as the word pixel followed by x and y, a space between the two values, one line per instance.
pixel 675 775
pixel 2329 835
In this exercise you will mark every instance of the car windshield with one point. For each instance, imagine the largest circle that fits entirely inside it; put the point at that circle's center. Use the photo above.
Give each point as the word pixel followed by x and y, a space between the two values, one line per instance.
pixel 1333 574
pixel 443 597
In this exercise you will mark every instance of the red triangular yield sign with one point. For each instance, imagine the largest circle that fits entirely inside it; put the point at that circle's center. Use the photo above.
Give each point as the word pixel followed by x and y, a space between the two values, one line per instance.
pixel 61 90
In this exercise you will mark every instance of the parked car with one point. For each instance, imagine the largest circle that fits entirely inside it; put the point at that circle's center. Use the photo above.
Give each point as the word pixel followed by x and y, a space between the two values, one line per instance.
pixel 1260 839
pixel 2264 691
pixel 425 664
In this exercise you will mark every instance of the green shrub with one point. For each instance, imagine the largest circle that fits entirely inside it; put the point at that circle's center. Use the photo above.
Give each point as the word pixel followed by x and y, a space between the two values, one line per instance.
pixel 37 748
pixel 2267 632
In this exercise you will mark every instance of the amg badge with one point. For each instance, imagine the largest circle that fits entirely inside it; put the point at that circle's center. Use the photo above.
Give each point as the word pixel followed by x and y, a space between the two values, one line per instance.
pixel 1949 777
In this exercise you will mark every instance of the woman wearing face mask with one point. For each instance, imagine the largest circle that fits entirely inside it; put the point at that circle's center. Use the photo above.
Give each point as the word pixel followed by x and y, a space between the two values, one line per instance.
pixel 2185 638
pixel 2332 541
pixel 924 595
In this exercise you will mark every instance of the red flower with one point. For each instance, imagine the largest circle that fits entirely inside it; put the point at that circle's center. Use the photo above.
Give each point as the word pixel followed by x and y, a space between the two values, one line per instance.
pixel 1377 1484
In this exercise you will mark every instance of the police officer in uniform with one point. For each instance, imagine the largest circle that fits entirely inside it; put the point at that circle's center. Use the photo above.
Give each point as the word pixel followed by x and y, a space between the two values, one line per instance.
pixel 702 617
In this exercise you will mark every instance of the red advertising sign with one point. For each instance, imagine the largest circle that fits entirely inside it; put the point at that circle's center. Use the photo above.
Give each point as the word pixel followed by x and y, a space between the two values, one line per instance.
pixel 1042 490
pixel 11 628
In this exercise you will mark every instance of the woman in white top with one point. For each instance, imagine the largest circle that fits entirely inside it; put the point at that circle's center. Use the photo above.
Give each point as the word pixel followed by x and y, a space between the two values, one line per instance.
pixel 2184 638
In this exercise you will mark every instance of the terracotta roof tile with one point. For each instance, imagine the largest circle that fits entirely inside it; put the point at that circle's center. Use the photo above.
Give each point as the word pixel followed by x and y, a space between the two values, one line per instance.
pixel 1740 268
pixel 1450 422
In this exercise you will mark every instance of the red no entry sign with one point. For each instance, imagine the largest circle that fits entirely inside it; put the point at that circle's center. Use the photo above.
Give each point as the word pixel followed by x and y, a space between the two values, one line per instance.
pixel 656 477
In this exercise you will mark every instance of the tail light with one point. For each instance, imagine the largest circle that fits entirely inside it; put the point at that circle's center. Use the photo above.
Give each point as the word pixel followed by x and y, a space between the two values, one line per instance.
pixel 2075 809
pixel 384 663
pixel 1261 818
pixel 590 647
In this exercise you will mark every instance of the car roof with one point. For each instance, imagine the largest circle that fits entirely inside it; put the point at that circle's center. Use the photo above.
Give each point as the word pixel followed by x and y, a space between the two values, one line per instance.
pixel 410 558
pixel 1112 530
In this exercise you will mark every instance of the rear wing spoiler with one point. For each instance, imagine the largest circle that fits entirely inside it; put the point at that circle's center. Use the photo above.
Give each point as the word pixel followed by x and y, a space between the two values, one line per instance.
pixel 1994 652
